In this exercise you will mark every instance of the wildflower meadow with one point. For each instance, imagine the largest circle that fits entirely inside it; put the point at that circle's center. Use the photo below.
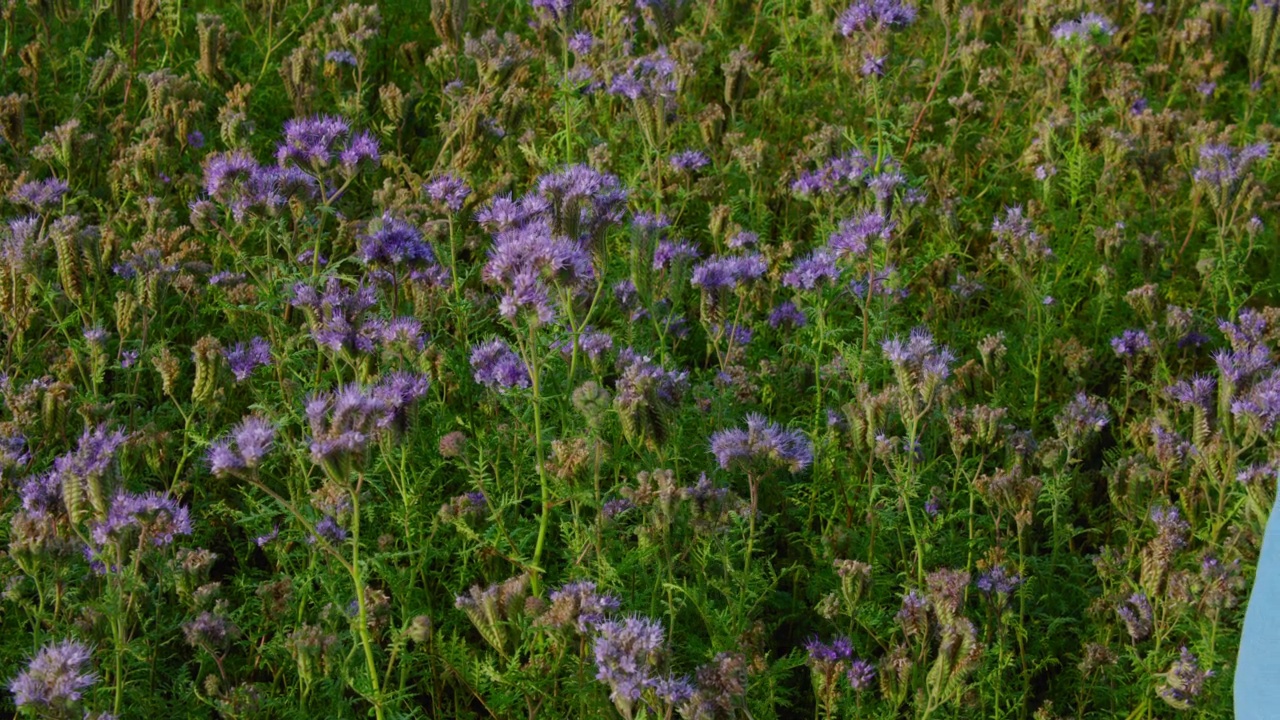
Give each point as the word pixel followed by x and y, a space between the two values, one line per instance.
pixel 639 359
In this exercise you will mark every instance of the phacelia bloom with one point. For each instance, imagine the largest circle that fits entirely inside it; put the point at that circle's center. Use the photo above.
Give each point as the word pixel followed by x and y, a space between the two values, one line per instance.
pixel 786 313
pixel 1017 242
pixel 494 364
pixel 531 263
pixel 689 161
pixel 21 243
pixel 361 153
pixel 1222 169
pixel 1081 419
pixel 645 393
pixel 1083 28
pixel 626 655
pixel 55 679
pixel 1130 343
pixel 40 195
pixel 447 191
pixel 158 519
pixel 195 139
pixel 339 316
pixel 998 581
pixel 252 440
pixel 1184 681
pixel 209 630
pixel 651 78
pixel 341 57
pixel 873 65
pixel 1196 392
pixel 744 239
pixel 865 15
pixel 312 142
pixel 762 442
pixel 919 362
pixel 344 422
pixel 914 614
pixel 720 274
pixel 854 236
pixel 670 254
pixel 396 244
pixel 1171 529
pixel 580 606
pixel 554 12
pixel 838 174
pixel 1137 616
pixel 244 359
pixel 861 675
pixel 75 476
pixel 1260 404
pixel 838 649
pixel 581 43
pixel 813 271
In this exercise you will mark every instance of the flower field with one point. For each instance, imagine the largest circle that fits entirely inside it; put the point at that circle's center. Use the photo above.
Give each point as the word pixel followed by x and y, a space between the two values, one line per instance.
pixel 699 359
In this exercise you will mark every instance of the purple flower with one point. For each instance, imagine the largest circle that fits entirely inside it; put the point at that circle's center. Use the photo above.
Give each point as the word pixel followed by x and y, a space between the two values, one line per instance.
pixel 720 274
pixel 860 675
pixel 1083 28
pixel 341 57
pixel 157 518
pixel 865 15
pixel 345 421
pixel 1171 529
pixel 195 139
pixel 838 649
pixel 669 254
pixel 1081 419
pixel 494 364
pixel 396 243
pixel 329 529
pixel 1222 168
pixel 626 653
pixel 253 439
pixel 689 161
pixel 762 442
pixel 873 65
pixel 998 581
pixel 361 153
pixel 811 272
pixel 244 360
pixel 580 605
pixel 581 42
pixel 1198 392
pixel 1130 343
pixel 554 12
pixel 650 77
pixel 55 678
pixel 448 191
pixel 1184 681
pixel 786 313
pixel 312 142
pixel 40 195
pixel 837 175
pixel 854 235
pixel 1137 616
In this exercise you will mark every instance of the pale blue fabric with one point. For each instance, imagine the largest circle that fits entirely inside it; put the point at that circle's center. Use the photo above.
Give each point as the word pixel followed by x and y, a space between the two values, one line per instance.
pixel 1257 681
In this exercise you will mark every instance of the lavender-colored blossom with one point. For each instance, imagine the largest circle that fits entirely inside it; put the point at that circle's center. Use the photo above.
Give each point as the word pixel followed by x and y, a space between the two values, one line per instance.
pixel 40 195
pixel 56 677
pixel 21 244
pixel 742 239
pixel 854 236
pixel 861 675
pixel 581 43
pixel 158 519
pixel 554 12
pixel 1222 168
pixel 721 274
pixel 345 421
pixel 341 57
pixel 836 175
pixel 362 152
pixel 651 78
pixel 581 605
pixel 812 271
pixel 448 191
pixel 998 581
pixel 244 359
pixel 312 142
pixel 689 161
pixel 669 253
pixel 1083 28
pixel 1171 529
pixel 1081 419
pixel 329 529
pixel 396 243
pixel 864 15
pixel 840 648
pixel 786 313
pixel 1130 343
pixel 1184 681
pixel 495 365
pixel 1137 616
pixel 626 653
pixel 1198 392
pixel 762 442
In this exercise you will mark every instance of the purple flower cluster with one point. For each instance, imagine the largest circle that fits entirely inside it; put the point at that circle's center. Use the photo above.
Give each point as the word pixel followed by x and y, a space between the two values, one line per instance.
pixel 56 677
pixel 720 274
pixel 762 442
pixel 252 440
pixel 864 15
pixel 813 271
pixel 244 359
pixel 1130 343
pixel 157 519
pixel 316 142
pixel 626 655
pixel 340 319
pixel 1184 681
pixel 447 191
pixel 579 605
pixel 688 161
pixel 236 181
pixel 40 195
pixel 345 421
pixel 494 364
pixel 838 174
pixel 650 78
pixel 1083 28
